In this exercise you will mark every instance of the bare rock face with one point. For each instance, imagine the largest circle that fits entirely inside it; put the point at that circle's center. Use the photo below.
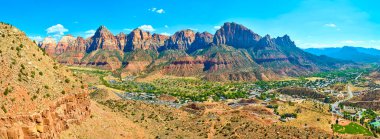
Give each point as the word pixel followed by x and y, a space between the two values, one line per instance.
pixel 159 40
pixel 74 53
pixel 285 41
pixel 48 123
pixel 139 39
pixel 181 40
pixel 267 50
pixel 102 39
pixel 236 35
pixel 49 44
pixel 121 40
pixel 202 40
pixel 64 43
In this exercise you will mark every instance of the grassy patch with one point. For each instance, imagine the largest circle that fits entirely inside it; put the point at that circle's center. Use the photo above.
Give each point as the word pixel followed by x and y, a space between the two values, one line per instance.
pixel 352 128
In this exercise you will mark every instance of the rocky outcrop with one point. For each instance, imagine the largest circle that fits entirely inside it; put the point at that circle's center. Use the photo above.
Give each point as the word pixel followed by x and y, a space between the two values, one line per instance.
pixel 47 123
pixel 266 50
pixel 121 40
pixel 79 45
pixel 102 39
pixel 181 40
pixel 202 40
pixel 49 45
pixel 64 43
pixel 159 40
pixel 236 35
pixel 139 39
pixel 285 41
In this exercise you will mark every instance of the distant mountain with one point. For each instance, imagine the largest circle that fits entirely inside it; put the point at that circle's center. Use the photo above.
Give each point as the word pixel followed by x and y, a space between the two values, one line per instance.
pixel 234 52
pixel 356 54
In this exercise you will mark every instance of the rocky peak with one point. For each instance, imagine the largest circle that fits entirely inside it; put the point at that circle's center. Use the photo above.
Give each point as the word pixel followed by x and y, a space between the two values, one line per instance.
pixel 48 40
pixel 160 38
pixel 202 40
pixel 285 41
pixel 138 35
pixel 64 43
pixel 48 44
pixel 79 46
pixel 103 39
pixel 121 40
pixel 67 39
pixel 266 42
pixel 236 35
pixel 140 39
pixel 102 31
pixel 181 40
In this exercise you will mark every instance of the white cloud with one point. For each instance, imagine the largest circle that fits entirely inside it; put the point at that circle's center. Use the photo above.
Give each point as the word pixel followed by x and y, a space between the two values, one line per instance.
pixel 89 33
pixel 152 9
pixel 159 11
pixel 166 26
pixel 147 28
pixel 165 33
pixel 56 30
pixel 216 27
pixel 331 25
pixel 36 38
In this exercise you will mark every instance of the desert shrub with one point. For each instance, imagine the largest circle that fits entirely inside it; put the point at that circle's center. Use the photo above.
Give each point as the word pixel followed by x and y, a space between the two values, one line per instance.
pixel 7 91
pixel 67 80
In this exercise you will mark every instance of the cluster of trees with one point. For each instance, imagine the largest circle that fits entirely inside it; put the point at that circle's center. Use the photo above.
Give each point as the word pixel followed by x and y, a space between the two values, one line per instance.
pixel 286 115
pixel 184 89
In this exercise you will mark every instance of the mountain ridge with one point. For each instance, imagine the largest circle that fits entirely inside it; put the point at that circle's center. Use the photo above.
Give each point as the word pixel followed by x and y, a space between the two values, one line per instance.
pixel 232 49
pixel 356 54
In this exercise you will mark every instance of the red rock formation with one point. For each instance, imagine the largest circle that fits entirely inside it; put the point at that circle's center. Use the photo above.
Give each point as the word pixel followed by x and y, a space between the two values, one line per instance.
pixel 121 40
pixel 236 35
pixel 181 40
pixel 202 40
pixel 49 44
pixel 159 39
pixel 64 43
pixel 102 39
pixel 139 39
pixel 48 123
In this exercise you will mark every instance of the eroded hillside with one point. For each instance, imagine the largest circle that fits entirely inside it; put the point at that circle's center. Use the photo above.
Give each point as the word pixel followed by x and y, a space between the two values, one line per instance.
pixel 38 96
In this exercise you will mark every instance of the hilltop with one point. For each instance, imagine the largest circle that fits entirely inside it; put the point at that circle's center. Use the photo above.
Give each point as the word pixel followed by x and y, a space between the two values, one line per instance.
pixel 38 95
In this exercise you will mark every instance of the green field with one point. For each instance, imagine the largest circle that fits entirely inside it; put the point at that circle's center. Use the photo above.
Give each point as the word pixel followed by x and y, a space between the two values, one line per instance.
pixel 352 128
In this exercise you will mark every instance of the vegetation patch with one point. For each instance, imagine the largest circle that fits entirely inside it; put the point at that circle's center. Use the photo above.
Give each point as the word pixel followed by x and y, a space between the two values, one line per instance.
pixel 352 128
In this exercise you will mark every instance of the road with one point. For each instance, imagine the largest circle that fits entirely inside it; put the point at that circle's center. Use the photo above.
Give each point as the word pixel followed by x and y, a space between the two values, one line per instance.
pixel 336 104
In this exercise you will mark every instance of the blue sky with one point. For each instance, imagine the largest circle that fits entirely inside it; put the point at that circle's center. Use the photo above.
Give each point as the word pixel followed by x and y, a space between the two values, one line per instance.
pixel 310 23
